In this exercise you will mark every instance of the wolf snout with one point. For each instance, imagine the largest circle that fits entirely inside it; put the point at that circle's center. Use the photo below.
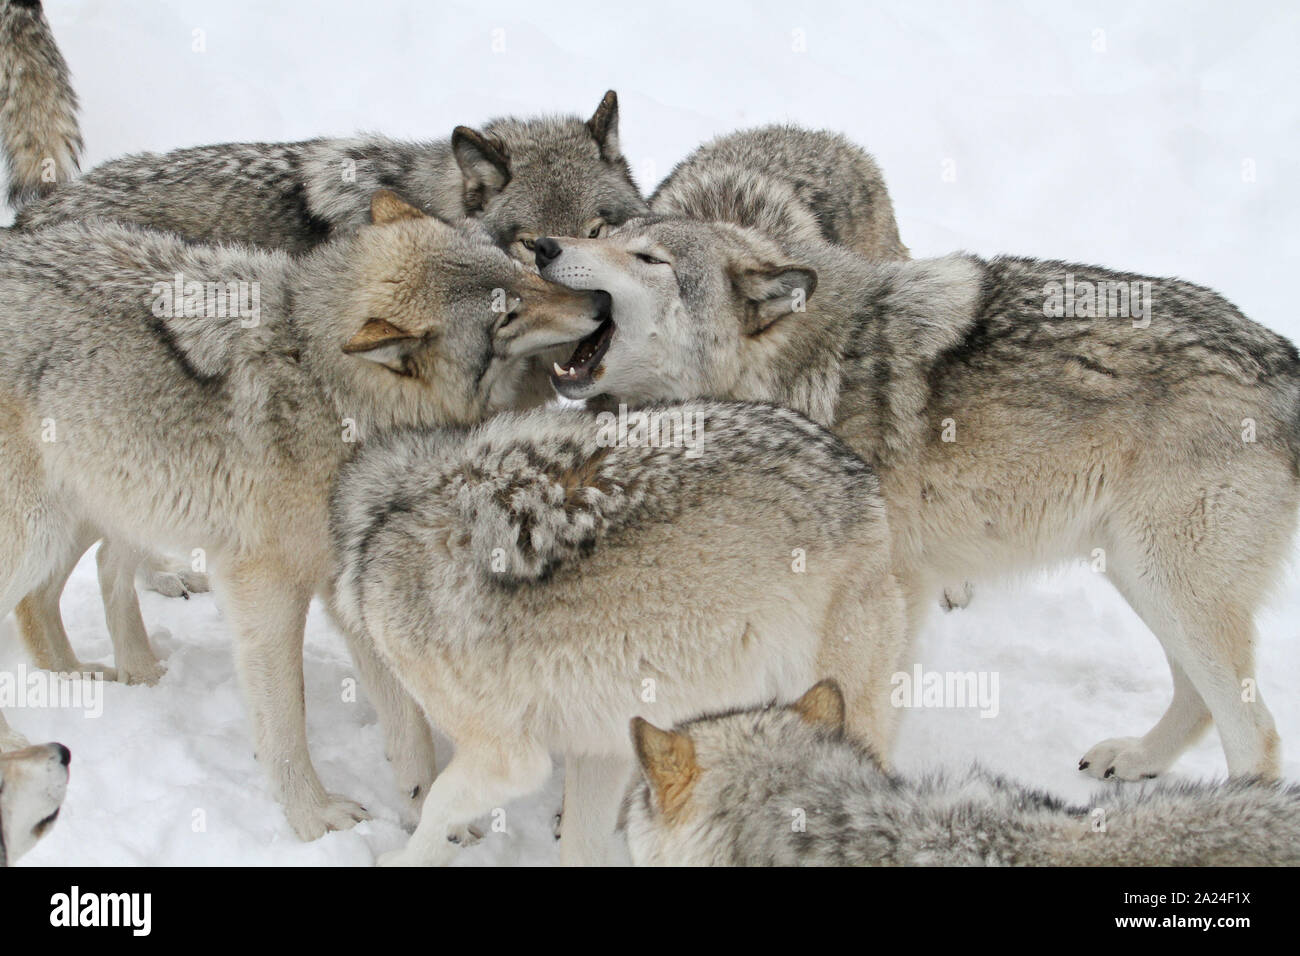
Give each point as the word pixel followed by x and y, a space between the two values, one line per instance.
pixel 547 251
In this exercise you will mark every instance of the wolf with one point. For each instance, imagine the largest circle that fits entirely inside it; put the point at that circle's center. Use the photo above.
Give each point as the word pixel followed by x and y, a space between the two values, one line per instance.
pixel 785 786
pixel 33 782
pixel 790 183
pixel 521 178
pixel 1014 419
pixel 536 581
pixel 794 185
pixel 151 421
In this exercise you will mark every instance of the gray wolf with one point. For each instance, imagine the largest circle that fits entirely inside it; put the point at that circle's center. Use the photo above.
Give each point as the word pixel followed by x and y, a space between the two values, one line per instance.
pixel 537 581
pixel 39 134
pixel 784 786
pixel 791 184
pixel 1014 420
pixel 521 178
pixel 33 782
pixel 156 423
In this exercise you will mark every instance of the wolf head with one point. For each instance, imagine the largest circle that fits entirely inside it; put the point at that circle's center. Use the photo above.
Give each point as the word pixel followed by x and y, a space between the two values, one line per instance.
pixel 690 778
pixel 32 784
pixel 695 306
pixel 415 322
pixel 555 176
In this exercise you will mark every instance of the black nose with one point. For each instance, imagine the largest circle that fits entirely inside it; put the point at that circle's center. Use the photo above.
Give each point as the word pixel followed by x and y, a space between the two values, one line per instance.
pixel 548 250
pixel 65 755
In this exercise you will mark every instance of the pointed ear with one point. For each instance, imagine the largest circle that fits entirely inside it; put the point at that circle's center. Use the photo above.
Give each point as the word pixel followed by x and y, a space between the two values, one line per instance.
pixel 604 128
pixel 773 292
pixel 484 165
pixel 386 206
pixel 668 761
pixel 822 706
pixel 382 342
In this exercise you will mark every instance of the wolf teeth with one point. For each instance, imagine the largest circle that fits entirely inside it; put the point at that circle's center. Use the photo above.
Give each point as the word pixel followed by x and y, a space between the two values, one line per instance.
pixel 564 372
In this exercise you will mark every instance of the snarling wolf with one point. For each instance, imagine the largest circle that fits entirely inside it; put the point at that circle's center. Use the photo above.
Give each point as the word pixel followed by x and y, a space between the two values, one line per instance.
pixel 134 417
pixel 33 781
pixel 784 786
pixel 1015 419
pixel 537 581
pixel 790 183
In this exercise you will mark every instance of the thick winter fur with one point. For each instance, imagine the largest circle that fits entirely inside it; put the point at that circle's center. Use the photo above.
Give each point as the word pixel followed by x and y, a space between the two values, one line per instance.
pixel 154 428
pixel 784 786
pixel 534 586
pixel 38 110
pixel 1005 439
pixel 522 178
pixel 789 183
pixel 32 784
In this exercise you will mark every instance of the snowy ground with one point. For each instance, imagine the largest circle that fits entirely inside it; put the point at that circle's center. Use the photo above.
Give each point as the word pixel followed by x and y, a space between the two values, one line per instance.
pixel 1155 137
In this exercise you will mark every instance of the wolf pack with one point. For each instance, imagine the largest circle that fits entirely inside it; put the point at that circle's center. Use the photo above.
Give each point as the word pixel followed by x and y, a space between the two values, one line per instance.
pixel 331 368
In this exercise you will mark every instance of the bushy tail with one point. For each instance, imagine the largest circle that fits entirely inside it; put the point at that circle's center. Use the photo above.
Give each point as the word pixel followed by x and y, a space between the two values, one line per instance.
pixel 38 109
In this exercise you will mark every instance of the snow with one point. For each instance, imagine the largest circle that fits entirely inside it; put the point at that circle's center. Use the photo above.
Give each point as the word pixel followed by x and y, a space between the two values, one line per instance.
pixel 1000 127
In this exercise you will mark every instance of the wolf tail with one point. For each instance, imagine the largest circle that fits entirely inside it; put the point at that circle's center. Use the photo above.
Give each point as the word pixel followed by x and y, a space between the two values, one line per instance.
pixel 39 134
pixel 1240 823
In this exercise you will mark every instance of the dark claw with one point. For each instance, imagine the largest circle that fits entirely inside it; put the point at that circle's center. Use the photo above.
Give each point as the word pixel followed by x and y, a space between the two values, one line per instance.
pixel 1109 771
pixel 1085 764
pixel 415 793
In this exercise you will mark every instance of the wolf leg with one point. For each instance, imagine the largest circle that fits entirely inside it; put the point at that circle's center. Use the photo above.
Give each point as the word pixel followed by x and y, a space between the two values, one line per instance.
pixel 408 740
pixel 593 789
pixel 1209 642
pixel 864 643
pixel 268 612
pixel 171 578
pixel 480 778
pixel 135 659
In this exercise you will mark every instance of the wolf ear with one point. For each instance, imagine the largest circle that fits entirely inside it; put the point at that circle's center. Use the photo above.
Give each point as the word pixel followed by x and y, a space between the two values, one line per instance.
pixel 822 706
pixel 668 762
pixel 773 292
pixel 484 165
pixel 604 128
pixel 382 342
pixel 386 206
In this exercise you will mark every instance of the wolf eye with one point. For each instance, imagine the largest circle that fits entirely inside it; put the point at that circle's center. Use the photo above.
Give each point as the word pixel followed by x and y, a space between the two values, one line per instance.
pixel 650 260
pixel 529 244
pixel 597 231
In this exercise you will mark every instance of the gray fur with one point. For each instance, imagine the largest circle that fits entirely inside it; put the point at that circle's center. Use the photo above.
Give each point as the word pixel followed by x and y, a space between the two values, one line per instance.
pixel 790 183
pixel 559 180
pixel 527 581
pixel 774 789
pixel 154 428
pixel 1170 446
pixel 39 134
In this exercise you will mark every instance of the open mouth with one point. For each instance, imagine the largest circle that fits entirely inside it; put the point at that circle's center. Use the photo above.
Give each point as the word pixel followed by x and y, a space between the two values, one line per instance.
pixel 583 367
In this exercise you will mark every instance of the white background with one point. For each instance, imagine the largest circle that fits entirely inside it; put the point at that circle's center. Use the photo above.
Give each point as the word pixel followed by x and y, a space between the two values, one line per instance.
pixel 1152 137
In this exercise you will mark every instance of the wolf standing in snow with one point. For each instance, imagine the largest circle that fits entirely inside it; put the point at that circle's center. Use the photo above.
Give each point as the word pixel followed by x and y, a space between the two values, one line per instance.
pixel 535 583
pixel 132 417
pixel 784 786
pixel 1019 413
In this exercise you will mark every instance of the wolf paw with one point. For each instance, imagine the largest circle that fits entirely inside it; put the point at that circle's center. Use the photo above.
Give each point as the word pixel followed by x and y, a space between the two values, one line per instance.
pixel 177 584
pixel 94 668
pixel 1122 758
pixel 148 672
pixel 956 596
pixel 315 820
